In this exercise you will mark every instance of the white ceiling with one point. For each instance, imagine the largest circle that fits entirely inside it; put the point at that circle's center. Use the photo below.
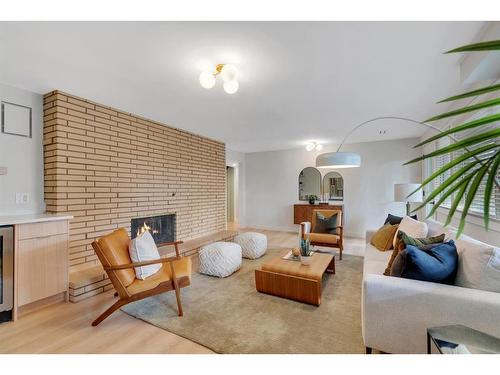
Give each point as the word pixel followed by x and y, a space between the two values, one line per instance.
pixel 299 81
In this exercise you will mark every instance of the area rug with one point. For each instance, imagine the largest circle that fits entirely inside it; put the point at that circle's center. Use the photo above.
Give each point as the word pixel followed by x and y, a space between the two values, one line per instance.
pixel 230 316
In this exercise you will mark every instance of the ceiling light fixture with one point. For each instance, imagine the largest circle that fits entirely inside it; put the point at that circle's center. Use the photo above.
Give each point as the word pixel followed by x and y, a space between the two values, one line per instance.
pixel 314 146
pixel 228 73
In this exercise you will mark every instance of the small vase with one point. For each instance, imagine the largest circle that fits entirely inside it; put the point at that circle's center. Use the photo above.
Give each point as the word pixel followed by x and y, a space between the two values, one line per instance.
pixel 305 260
pixel 312 201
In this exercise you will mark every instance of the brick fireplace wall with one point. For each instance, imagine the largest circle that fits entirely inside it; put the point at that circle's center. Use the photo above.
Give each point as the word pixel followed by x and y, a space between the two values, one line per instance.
pixel 105 166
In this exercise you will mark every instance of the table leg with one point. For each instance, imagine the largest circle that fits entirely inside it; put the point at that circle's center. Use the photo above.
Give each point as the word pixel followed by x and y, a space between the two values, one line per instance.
pixel 331 266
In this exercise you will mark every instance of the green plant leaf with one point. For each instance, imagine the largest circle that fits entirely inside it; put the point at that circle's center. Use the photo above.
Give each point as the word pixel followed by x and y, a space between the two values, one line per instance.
pixel 445 195
pixel 468 94
pixel 489 189
pixel 491 45
pixel 471 193
pixel 469 141
pixel 454 162
pixel 468 125
pixel 486 104
pixel 454 177
pixel 457 199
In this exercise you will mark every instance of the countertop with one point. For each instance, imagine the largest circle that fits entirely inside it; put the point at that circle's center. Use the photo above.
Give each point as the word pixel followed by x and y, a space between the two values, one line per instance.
pixel 32 218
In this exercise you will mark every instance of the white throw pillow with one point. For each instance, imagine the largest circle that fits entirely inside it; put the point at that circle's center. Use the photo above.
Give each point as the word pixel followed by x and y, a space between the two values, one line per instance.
pixel 478 265
pixel 141 249
pixel 412 227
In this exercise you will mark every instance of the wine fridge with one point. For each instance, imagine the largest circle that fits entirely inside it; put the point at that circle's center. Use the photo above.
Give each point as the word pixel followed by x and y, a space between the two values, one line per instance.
pixel 6 273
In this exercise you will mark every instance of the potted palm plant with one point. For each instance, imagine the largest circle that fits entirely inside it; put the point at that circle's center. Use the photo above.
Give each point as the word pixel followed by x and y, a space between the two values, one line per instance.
pixel 476 170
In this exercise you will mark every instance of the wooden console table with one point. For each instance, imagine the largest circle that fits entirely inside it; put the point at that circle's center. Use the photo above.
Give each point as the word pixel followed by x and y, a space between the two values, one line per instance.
pixel 303 212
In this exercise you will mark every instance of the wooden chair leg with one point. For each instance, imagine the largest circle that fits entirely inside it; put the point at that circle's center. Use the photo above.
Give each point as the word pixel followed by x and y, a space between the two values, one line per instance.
pixel 109 311
pixel 341 249
pixel 177 289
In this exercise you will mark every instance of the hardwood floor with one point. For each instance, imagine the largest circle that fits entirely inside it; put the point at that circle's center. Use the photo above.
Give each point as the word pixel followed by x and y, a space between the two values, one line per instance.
pixel 65 327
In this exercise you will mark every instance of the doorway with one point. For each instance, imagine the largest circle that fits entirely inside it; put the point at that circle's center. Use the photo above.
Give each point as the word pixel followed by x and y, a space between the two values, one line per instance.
pixel 230 196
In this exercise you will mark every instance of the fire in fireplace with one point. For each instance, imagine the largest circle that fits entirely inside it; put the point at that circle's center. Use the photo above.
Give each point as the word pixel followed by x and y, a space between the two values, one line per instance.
pixel 161 227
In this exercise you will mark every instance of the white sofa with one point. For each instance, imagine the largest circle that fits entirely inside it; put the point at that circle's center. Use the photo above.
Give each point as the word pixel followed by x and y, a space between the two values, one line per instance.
pixel 396 312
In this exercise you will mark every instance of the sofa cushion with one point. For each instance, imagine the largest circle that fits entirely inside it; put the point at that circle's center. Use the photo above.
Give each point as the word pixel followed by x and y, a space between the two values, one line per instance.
pixel 399 264
pixel 411 227
pixel 324 224
pixel 393 219
pixel 403 240
pixel 382 238
pixel 400 246
pixel 438 264
pixel 478 265
pixel 421 242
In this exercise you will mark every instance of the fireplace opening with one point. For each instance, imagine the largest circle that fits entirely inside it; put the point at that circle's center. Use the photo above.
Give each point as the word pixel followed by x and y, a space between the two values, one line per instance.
pixel 161 227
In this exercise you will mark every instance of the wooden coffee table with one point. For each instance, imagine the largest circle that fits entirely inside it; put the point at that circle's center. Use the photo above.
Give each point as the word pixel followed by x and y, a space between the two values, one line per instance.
pixel 290 279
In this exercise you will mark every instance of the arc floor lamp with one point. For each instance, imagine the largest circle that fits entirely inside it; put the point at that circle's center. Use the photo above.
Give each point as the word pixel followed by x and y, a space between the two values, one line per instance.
pixel 339 159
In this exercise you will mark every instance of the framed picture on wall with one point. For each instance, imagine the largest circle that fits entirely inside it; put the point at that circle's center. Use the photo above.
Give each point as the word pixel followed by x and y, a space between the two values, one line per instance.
pixel 16 119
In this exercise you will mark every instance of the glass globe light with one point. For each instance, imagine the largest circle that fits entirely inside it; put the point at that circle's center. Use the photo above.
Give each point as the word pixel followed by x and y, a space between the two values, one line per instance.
pixel 319 147
pixel 229 73
pixel 310 147
pixel 207 80
pixel 231 86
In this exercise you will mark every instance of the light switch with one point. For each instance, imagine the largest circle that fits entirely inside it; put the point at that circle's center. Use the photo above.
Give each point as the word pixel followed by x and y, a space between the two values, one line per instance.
pixel 3 170
pixel 22 198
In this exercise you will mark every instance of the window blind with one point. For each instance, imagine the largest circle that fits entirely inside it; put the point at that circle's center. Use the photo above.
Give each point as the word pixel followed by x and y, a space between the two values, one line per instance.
pixel 477 205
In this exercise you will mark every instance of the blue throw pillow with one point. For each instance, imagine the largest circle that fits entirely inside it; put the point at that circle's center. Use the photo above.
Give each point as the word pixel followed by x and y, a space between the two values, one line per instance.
pixel 437 264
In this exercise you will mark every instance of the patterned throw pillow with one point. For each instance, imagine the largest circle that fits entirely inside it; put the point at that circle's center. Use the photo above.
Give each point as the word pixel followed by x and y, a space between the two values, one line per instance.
pixel 325 224
pixel 403 239
pixel 382 239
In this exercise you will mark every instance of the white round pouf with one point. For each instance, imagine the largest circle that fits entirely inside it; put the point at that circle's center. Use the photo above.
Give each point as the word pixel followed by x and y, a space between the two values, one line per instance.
pixel 220 259
pixel 253 244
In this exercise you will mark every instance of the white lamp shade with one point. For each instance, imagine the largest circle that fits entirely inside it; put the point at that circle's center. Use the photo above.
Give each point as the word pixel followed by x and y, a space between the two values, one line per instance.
pixel 231 87
pixel 229 73
pixel 207 80
pixel 402 193
pixel 338 160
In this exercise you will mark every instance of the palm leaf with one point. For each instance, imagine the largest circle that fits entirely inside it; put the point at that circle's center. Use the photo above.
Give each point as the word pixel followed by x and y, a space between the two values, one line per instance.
pixel 476 92
pixel 454 177
pixel 454 162
pixel 468 125
pixel 474 107
pixel 456 201
pixel 469 141
pixel 471 193
pixel 445 195
pixel 489 189
pixel 482 46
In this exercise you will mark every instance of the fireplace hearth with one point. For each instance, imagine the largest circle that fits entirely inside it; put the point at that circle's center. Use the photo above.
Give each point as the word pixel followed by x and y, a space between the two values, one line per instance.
pixel 161 227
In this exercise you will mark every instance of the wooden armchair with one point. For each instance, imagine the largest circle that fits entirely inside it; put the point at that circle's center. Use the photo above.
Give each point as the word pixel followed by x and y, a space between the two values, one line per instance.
pixel 324 239
pixel 112 251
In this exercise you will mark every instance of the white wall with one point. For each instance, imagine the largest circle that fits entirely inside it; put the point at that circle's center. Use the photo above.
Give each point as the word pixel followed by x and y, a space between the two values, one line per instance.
pixel 237 161
pixel 23 157
pixel 272 184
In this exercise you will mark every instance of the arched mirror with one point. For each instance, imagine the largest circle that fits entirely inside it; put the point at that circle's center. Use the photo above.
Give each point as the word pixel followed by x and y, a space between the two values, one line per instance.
pixel 309 183
pixel 333 186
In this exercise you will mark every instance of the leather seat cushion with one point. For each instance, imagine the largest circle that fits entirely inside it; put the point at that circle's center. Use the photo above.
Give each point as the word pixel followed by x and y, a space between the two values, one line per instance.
pixel 182 268
pixel 324 238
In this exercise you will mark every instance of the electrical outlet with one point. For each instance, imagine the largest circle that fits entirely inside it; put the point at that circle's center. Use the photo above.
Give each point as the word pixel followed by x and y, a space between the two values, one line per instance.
pixel 3 170
pixel 22 198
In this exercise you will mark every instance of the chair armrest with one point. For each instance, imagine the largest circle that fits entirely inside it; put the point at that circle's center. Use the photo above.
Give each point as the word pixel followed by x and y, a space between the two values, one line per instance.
pixel 139 264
